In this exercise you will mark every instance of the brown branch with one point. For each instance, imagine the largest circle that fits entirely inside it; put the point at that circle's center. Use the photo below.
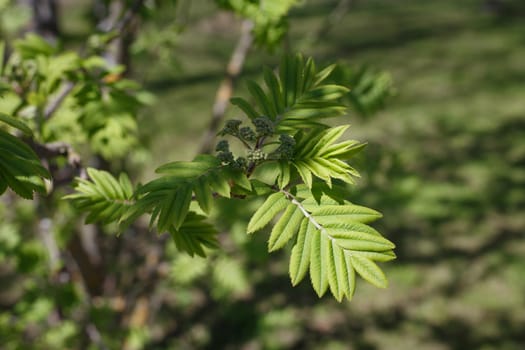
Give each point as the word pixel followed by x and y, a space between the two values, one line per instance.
pixel 128 16
pixel 49 151
pixel 118 20
pixel 225 90
pixel 45 18
pixel 95 337
pixel 337 14
pixel 56 149
pixel 54 104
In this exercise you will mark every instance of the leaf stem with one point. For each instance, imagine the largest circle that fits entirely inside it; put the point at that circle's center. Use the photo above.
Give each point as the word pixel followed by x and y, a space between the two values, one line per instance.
pixel 305 212
pixel 246 144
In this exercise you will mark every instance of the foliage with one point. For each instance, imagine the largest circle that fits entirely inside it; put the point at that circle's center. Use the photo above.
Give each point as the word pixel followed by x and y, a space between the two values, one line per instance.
pixel 443 164
pixel 268 16
pixel 20 167
pixel 370 89
pixel 330 235
pixel 100 110
pixel 13 16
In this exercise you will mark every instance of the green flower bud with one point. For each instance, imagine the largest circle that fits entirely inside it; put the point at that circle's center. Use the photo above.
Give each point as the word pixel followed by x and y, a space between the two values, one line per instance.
pixel 225 157
pixel 286 149
pixel 231 127
pixel 240 163
pixel 222 146
pixel 247 134
pixel 263 126
pixel 256 156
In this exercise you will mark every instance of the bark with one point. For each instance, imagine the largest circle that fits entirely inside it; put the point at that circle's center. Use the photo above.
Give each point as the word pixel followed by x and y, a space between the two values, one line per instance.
pixel 122 20
pixel 45 18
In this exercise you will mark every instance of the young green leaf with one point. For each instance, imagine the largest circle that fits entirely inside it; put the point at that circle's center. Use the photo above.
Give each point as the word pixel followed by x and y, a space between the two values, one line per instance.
pixel 337 272
pixel 367 269
pixel 219 183
pixel 262 100
pixel 194 234
pixel 15 123
pixel 300 258
pixel 319 253
pixel 285 228
pixel 267 211
pixel 103 197
pixel 245 106
pixel 174 208
pixel 327 214
pixel 275 89
pixel 203 194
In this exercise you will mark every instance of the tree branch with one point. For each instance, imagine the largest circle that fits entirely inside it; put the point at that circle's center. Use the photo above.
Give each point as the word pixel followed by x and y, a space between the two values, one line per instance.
pixel 55 103
pixel 337 14
pixel 128 16
pixel 225 90
pixel 49 151
pixel 56 149
pixel 118 22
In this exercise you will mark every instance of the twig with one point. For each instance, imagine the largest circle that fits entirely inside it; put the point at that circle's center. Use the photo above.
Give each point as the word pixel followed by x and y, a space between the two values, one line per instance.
pixel 333 18
pixel 56 149
pixel 117 22
pixel 49 151
pixel 225 90
pixel 45 18
pixel 127 17
pixel 53 105
pixel 337 14
pixel 46 235
pixel 95 337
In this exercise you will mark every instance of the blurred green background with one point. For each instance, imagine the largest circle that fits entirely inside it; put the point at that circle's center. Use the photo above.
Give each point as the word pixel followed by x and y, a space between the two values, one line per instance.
pixel 445 165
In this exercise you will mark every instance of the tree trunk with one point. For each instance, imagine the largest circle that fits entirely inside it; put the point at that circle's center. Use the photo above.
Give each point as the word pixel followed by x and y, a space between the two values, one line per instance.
pixel 45 18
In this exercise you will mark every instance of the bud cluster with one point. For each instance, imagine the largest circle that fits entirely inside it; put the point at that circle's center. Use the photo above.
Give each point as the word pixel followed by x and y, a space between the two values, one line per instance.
pixel 286 149
pixel 247 134
pixel 223 152
pixel 263 126
pixel 240 163
pixel 231 128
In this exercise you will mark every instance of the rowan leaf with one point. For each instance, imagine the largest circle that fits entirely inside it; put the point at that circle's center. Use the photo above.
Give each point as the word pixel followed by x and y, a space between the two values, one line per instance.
pixel 267 211
pixel 300 257
pixel 318 262
pixel 103 197
pixel 285 228
pixel 194 235
pixel 203 194
pixel 369 270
